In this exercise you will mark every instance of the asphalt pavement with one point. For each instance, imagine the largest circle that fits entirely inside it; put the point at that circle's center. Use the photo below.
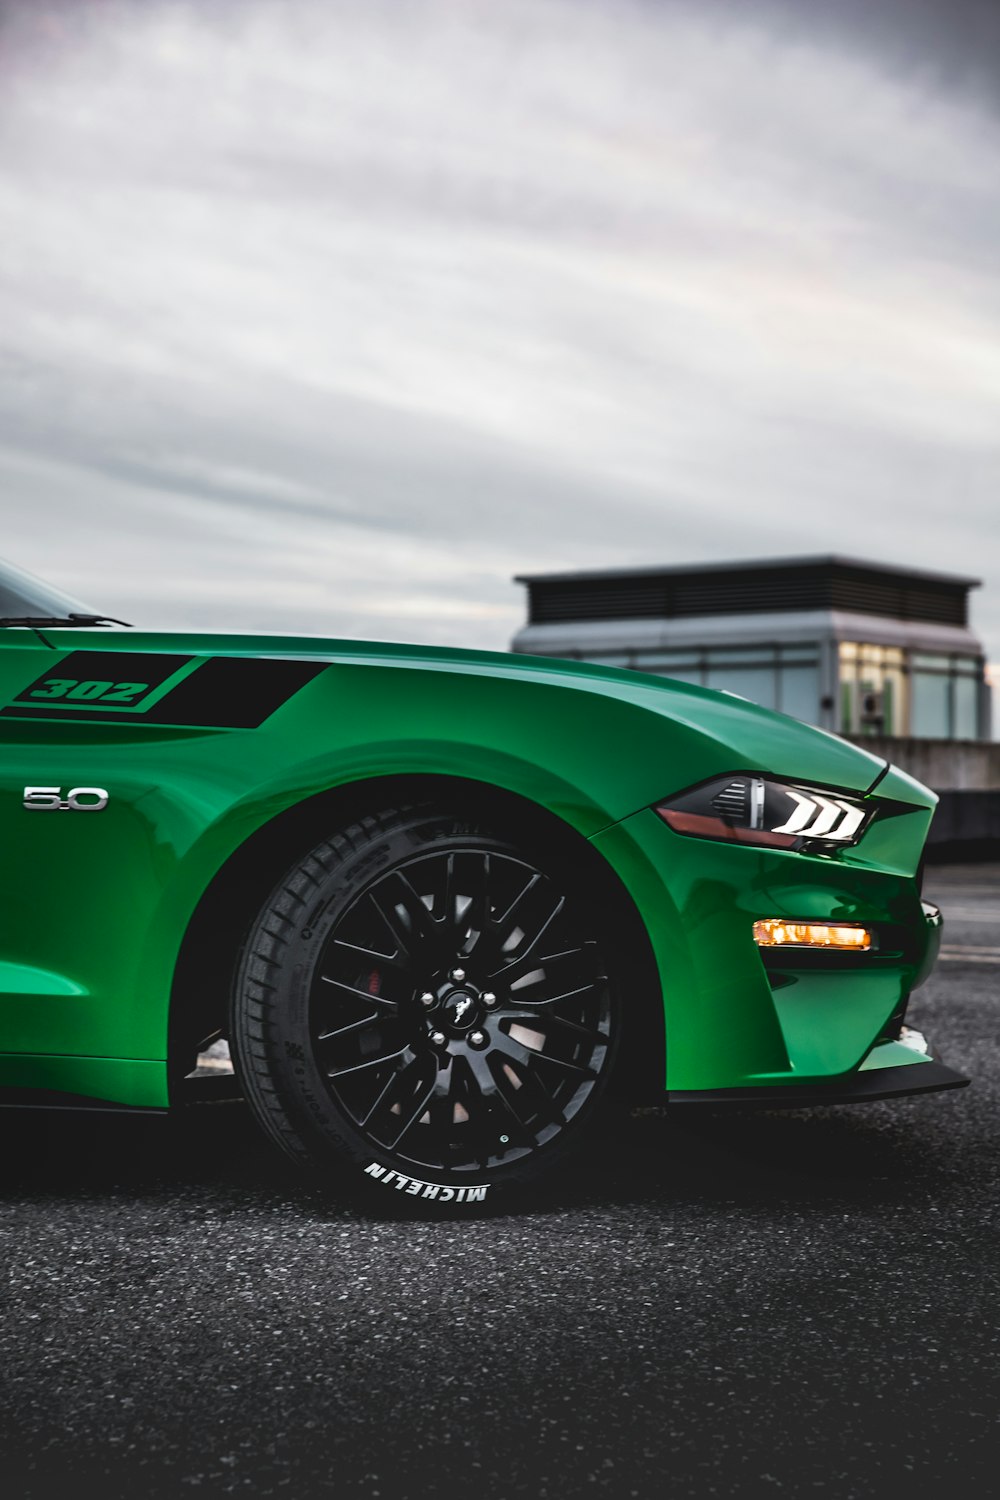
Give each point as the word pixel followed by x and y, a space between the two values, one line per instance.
pixel 738 1304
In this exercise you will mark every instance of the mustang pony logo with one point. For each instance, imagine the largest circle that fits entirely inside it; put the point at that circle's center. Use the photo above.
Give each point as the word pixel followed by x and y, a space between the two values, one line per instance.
pixel 461 1006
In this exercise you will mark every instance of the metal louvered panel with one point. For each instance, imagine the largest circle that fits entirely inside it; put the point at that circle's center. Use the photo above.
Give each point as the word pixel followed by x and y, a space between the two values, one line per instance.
pixel 686 592
pixel 600 600
pixel 874 596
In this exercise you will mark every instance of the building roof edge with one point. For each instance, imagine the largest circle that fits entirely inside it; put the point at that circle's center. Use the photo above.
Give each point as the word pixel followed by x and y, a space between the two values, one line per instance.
pixel 680 570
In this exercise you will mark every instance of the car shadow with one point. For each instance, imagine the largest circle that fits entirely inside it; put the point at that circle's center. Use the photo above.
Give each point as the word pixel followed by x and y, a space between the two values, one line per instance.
pixel 654 1158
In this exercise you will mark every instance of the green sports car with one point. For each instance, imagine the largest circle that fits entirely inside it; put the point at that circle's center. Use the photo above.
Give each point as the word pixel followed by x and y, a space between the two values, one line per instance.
pixel 442 904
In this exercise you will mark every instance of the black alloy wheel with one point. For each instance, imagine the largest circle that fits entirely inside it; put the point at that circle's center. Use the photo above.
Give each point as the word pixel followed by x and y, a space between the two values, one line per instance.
pixel 429 1003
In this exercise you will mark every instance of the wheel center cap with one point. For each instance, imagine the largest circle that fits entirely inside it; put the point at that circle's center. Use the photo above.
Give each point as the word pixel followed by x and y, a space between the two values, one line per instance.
pixel 459 1010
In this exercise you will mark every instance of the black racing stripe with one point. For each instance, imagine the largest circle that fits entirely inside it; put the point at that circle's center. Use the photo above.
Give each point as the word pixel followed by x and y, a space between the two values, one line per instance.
pixel 227 692
pixel 234 692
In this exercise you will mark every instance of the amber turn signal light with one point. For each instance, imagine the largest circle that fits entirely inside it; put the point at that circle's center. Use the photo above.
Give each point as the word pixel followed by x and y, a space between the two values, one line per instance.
pixel 775 932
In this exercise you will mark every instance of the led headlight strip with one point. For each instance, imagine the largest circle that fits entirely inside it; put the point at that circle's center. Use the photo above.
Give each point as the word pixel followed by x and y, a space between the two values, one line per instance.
pixel 759 810
pixel 819 817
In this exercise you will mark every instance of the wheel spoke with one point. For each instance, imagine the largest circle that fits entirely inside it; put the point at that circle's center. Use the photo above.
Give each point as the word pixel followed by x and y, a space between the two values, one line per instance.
pixel 370 955
pixel 412 1119
pixel 338 1031
pixel 473 923
pixel 441 1107
pixel 449 915
pixel 517 1052
pixel 371 1062
pixel 570 962
pixel 532 1092
pixel 384 1093
pixel 381 1001
pixel 398 926
pixel 489 1099
pixel 401 1103
pixel 505 924
pixel 548 1001
pixel 422 924
pixel 588 1033
pixel 547 959
pixel 523 1130
pixel 530 948
pixel 420 937
pixel 439 1091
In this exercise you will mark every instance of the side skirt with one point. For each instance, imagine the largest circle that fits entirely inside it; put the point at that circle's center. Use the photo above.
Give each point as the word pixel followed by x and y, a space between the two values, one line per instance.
pixel 99 1082
pixel 51 1099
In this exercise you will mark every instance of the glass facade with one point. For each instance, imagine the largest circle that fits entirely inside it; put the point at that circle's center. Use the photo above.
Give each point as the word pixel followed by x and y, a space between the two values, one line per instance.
pixel 926 695
pixel 945 696
pixel 785 678
pixel 873 689
pixel 883 690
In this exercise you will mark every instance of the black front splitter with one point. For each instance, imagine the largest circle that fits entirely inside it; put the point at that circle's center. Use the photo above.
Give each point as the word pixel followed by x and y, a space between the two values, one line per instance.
pixel 853 1088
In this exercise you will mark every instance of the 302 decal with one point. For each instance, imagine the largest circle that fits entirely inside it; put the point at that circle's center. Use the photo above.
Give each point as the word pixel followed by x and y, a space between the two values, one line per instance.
pixel 77 799
pixel 102 685
pixel 94 691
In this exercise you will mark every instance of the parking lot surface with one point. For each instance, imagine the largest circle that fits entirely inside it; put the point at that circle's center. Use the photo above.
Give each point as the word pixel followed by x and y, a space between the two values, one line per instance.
pixel 739 1303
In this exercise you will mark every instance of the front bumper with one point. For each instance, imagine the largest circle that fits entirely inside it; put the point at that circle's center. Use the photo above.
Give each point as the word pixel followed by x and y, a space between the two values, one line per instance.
pixel 753 1023
pixel 863 1087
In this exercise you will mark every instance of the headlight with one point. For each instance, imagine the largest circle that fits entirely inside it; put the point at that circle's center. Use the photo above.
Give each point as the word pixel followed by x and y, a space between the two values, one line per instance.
pixel 757 810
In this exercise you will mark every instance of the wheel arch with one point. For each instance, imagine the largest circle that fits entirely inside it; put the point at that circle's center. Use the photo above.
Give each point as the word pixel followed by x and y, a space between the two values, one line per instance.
pixel 215 933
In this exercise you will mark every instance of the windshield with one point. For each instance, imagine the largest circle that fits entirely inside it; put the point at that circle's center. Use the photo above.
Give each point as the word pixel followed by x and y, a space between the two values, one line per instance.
pixel 22 595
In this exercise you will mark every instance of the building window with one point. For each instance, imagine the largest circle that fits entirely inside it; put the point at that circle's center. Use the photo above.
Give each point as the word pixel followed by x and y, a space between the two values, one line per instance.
pixel 752 673
pixel 945 696
pixel 929 695
pixel 873 697
pixel 785 678
pixel 965 707
pixel 930 716
pixel 799 691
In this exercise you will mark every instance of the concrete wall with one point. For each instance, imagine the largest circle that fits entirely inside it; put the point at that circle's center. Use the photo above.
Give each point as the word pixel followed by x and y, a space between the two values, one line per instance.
pixel 945 765
pixel 966 826
pixel 966 776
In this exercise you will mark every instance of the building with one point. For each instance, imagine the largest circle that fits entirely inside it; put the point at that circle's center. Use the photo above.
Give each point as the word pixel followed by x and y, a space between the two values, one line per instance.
pixel 860 648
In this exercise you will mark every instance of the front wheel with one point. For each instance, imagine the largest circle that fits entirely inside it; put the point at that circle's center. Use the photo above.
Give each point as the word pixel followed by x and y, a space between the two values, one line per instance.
pixel 429 1006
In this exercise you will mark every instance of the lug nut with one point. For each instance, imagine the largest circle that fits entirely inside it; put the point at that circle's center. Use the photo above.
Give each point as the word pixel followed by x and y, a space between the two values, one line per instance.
pixel 427 998
pixel 458 975
pixel 477 1038
pixel 489 998
pixel 438 1038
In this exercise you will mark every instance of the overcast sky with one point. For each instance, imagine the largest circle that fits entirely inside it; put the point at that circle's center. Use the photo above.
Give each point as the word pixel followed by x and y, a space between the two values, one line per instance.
pixel 331 316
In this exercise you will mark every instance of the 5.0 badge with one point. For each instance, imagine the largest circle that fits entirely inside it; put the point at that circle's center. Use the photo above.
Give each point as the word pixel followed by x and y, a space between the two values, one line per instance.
pixel 78 799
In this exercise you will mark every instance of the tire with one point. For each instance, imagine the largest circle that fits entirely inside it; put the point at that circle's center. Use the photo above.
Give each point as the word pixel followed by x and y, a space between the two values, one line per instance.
pixel 425 1006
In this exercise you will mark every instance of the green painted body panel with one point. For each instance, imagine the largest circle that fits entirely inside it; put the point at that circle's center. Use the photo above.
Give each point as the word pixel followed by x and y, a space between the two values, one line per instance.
pixel 96 904
pixel 726 1025
pixel 135 1082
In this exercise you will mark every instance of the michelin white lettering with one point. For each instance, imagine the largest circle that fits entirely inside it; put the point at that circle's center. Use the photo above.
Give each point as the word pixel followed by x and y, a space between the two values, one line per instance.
pixel 417 1189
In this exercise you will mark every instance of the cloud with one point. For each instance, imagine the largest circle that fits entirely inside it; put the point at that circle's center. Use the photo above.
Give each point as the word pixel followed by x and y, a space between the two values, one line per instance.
pixel 332 317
